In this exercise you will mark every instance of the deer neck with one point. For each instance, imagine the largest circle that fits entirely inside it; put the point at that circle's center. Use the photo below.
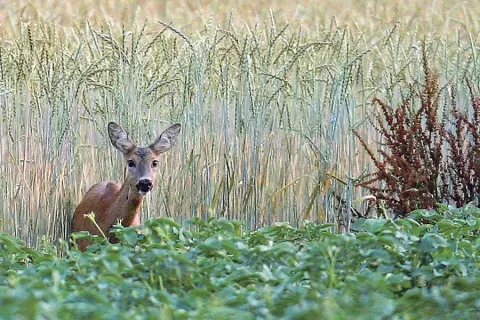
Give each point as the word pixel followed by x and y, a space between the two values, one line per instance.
pixel 127 204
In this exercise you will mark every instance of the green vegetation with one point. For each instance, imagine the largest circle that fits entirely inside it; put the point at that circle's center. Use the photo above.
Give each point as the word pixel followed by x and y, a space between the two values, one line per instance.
pixel 271 98
pixel 388 269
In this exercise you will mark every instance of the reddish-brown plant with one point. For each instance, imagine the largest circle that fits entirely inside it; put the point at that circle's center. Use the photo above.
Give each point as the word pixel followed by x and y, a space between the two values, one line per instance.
pixel 462 176
pixel 424 159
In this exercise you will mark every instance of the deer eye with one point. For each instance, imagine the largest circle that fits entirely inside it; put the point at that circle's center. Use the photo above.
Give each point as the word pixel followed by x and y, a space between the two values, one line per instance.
pixel 131 164
pixel 154 164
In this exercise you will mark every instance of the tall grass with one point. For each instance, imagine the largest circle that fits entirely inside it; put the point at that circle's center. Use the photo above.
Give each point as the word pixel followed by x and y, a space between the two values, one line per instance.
pixel 267 112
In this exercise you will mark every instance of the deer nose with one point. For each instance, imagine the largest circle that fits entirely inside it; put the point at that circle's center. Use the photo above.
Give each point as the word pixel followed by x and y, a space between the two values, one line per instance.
pixel 144 185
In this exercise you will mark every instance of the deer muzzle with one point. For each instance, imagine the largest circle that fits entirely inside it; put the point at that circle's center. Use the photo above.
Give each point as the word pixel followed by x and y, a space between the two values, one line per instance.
pixel 144 186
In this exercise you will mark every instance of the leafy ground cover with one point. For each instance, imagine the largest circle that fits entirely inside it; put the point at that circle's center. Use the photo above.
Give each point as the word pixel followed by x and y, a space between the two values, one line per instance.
pixel 424 266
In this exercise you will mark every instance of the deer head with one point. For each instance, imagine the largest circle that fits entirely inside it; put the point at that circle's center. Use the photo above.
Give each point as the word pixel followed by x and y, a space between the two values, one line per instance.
pixel 142 162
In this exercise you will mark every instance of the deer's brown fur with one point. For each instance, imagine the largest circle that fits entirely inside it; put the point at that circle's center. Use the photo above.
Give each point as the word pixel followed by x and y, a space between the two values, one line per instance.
pixel 111 202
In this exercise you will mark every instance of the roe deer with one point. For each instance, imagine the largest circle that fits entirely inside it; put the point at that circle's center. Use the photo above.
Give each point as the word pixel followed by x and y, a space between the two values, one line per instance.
pixel 110 201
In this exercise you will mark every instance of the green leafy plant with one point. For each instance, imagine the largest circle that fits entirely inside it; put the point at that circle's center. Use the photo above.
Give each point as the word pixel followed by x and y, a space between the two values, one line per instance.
pixel 403 268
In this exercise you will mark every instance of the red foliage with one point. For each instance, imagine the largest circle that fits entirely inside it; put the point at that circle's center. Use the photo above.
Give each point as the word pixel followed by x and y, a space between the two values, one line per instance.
pixel 425 160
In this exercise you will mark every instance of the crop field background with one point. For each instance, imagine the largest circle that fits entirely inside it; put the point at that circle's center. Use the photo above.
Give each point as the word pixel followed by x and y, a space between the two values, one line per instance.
pixel 267 94
pixel 252 214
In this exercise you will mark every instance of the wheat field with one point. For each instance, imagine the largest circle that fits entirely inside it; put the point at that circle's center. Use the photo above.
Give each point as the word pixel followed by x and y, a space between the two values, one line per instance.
pixel 267 94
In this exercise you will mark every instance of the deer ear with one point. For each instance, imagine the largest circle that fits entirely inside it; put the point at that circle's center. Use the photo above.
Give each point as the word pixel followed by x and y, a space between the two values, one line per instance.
pixel 166 140
pixel 120 138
